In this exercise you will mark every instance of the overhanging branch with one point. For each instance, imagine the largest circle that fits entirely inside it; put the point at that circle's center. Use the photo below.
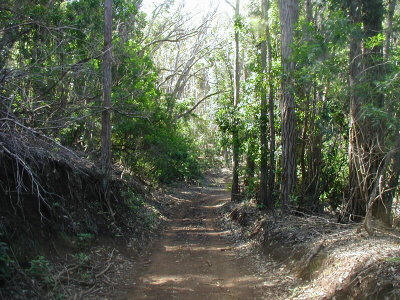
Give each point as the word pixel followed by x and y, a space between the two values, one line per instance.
pixel 197 104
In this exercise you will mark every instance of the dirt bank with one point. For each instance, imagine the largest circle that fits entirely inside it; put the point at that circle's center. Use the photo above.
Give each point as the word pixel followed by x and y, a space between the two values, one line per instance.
pixel 328 260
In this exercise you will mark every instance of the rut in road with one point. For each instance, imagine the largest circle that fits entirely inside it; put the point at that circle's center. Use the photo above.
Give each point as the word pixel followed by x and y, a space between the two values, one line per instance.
pixel 196 260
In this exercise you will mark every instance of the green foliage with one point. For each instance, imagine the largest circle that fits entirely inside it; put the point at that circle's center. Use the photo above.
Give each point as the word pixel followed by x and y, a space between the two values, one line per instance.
pixel 334 175
pixel 176 160
pixel 251 188
pixel 53 51
pixel 84 239
pixel 5 262
pixel 238 24
pixel 149 217
pixel 393 259
pixel 134 201
pixel 81 258
pixel 86 275
pixel 40 268
pixel 61 43
pixel 375 41
pixel 159 150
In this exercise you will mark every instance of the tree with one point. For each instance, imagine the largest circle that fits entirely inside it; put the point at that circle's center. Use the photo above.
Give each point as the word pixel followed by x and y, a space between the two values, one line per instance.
pixel 106 113
pixel 365 141
pixel 236 98
pixel 235 190
pixel 271 113
pixel 389 27
pixel 288 18
pixel 267 168
pixel 311 91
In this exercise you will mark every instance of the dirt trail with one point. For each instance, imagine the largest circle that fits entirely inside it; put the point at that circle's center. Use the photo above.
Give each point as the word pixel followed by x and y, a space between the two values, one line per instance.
pixel 195 259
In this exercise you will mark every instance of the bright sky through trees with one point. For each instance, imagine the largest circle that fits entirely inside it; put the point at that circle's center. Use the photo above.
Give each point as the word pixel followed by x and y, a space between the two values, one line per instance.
pixel 196 7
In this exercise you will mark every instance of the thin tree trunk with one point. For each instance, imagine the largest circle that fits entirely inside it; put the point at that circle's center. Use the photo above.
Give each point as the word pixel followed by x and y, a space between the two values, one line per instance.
pixel 309 10
pixel 374 71
pixel 267 165
pixel 389 28
pixel 355 206
pixel 250 162
pixel 271 175
pixel 106 118
pixel 315 158
pixel 264 118
pixel 235 192
pixel 303 145
pixel 383 211
pixel 288 17
pixel 271 116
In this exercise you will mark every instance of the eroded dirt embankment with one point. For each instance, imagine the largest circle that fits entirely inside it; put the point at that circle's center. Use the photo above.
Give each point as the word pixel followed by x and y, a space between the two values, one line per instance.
pixel 329 260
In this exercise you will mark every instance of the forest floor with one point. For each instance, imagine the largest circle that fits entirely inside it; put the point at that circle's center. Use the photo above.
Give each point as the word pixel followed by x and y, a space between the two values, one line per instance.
pixel 212 248
pixel 197 259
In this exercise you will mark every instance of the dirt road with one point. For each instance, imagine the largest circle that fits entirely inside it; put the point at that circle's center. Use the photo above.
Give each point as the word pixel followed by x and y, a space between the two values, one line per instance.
pixel 195 259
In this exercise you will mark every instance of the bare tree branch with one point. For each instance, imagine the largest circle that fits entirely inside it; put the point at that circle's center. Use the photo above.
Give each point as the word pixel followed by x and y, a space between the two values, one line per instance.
pixel 197 104
pixel 230 4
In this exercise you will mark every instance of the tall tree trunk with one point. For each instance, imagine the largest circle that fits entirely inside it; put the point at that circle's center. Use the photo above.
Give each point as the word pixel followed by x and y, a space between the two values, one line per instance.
pixel 374 71
pixel 302 159
pixel 366 138
pixel 315 162
pixel 271 117
pixel 267 165
pixel 107 83
pixel 355 205
pixel 264 117
pixel 288 18
pixel 383 211
pixel 235 192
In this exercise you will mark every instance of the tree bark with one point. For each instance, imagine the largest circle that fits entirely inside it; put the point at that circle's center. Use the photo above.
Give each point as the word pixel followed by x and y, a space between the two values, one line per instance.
pixel 272 147
pixel 264 117
pixel 106 114
pixel 315 162
pixel 383 208
pixel 235 191
pixel 250 162
pixel 355 206
pixel 366 138
pixel 288 18
pixel 302 159
pixel 267 165
pixel 383 211
pixel 271 117
pixel 389 28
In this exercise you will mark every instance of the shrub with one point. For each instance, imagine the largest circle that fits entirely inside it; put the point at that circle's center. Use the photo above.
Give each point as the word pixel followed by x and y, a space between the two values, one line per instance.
pixel 5 262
